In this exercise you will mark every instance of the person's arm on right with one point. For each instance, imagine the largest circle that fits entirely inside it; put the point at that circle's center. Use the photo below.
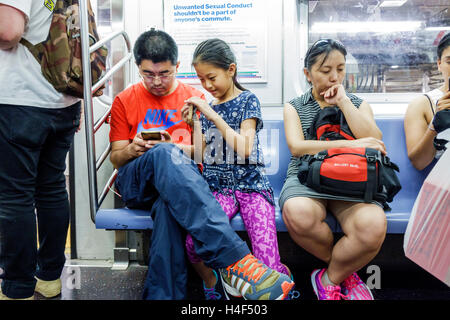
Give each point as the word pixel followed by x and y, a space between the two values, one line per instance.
pixel 419 136
pixel 12 26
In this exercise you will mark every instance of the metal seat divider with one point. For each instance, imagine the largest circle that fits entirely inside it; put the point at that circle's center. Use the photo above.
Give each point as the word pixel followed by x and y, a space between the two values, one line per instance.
pixel 121 250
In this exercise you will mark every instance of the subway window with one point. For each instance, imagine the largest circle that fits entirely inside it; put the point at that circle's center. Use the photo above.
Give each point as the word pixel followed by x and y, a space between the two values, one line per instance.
pixel 391 44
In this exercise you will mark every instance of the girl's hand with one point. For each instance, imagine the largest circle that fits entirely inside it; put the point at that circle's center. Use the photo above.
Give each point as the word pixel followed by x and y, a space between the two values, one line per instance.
pixel 185 114
pixel 203 107
pixel 335 95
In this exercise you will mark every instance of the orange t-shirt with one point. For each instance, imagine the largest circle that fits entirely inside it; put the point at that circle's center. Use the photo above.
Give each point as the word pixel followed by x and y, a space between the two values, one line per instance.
pixel 135 110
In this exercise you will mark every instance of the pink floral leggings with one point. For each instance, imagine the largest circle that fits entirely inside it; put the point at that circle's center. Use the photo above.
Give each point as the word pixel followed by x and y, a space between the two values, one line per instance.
pixel 259 220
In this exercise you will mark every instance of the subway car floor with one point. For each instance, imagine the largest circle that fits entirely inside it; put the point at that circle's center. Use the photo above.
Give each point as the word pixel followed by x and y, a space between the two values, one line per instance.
pixel 398 278
pixel 101 283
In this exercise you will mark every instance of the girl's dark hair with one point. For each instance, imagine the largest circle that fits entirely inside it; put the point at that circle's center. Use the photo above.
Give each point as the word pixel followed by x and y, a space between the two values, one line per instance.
pixel 443 44
pixel 320 47
pixel 218 53
pixel 157 46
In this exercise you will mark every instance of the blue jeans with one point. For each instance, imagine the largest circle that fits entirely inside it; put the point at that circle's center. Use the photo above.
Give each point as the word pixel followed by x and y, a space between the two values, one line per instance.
pixel 34 143
pixel 169 183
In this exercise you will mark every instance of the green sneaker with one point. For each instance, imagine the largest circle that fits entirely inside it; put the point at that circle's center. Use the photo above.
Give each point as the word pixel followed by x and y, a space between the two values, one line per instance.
pixel 253 280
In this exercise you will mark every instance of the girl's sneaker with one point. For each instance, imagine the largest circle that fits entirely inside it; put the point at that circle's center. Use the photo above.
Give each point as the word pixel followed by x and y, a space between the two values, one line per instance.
pixel 355 289
pixel 324 293
pixel 214 292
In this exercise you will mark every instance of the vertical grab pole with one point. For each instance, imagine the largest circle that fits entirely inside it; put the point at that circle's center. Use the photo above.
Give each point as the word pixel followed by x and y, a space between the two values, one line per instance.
pixel 88 110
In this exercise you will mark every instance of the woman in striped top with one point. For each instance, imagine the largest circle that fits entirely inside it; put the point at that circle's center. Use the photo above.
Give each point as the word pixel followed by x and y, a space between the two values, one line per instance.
pixel 304 210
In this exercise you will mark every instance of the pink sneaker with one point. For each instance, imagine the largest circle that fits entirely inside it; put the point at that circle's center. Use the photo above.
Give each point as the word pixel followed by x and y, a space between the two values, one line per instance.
pixel 354 288
pixel 324 293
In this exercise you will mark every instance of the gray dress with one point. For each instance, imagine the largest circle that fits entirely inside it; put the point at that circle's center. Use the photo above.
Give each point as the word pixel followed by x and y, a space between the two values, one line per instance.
pixel 307 108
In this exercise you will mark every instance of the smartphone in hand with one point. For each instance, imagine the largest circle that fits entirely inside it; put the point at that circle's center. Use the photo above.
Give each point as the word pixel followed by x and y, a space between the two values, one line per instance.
pixel 151 135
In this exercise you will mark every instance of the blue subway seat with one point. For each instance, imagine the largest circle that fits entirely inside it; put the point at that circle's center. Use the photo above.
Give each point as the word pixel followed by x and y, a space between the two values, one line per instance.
pixel 277 157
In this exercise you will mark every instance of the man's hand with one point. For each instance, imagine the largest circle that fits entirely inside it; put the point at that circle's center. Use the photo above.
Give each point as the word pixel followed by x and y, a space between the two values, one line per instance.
pixel 141 145
pixel 137 147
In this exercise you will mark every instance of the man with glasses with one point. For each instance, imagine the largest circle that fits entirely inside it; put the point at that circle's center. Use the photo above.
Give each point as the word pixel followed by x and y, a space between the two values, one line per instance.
pixel 158 176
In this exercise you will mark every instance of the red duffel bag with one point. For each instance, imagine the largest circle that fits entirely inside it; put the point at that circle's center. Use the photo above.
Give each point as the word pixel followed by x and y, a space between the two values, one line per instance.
pixel 362 173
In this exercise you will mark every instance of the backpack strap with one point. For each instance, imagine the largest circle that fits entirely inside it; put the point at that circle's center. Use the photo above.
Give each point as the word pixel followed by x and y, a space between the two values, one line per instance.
pixel 33 49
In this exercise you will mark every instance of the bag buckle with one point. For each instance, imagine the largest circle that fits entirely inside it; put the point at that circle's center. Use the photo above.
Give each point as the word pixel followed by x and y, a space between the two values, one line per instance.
pixel 320 156
pixel 371 158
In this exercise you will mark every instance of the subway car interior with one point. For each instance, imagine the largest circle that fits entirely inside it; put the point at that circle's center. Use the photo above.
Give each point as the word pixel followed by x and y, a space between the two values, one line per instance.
pixel 391 59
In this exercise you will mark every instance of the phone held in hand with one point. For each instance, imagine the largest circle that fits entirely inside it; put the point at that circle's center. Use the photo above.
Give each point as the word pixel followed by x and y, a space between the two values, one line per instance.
pixel 151 135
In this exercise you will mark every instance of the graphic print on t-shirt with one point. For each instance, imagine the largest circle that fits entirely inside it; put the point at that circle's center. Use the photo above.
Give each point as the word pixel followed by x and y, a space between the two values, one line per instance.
pixel 158 119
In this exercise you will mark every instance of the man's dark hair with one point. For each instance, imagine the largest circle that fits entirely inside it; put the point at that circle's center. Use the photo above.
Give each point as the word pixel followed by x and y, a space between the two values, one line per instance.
pixel 157 46
pixel 443 44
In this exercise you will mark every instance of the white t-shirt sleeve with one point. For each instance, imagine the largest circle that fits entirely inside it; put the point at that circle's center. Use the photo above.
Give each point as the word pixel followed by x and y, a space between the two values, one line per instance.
pixel 22 5
pixel 21 79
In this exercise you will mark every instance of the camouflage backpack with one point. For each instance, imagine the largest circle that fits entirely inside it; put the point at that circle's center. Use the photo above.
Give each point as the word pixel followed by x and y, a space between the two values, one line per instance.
pixel 60 54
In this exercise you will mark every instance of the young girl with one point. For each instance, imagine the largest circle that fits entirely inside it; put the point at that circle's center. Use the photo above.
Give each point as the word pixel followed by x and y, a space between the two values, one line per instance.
pixel 303 209
pixel 233 159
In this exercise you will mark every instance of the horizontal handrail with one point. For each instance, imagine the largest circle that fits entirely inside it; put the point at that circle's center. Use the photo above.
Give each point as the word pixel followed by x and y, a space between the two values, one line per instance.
pixel 111 72
pixel 111 36
pixel 103 157
pixel 104 100
pixel 107 187
pixel 119 65
pixel 102 120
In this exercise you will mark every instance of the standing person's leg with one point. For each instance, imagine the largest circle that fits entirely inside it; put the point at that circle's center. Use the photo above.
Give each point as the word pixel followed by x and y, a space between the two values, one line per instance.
pixel 167 274
pixel 259 219
pixel 52 204
pixel 22 130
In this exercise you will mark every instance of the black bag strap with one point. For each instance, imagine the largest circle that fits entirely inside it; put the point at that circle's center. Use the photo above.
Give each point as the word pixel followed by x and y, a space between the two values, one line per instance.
pixel 431 103
pixel 315 175
pixel 371 186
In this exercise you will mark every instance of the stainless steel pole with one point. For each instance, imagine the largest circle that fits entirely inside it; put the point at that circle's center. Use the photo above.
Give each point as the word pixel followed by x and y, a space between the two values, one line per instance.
pixel 88 110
